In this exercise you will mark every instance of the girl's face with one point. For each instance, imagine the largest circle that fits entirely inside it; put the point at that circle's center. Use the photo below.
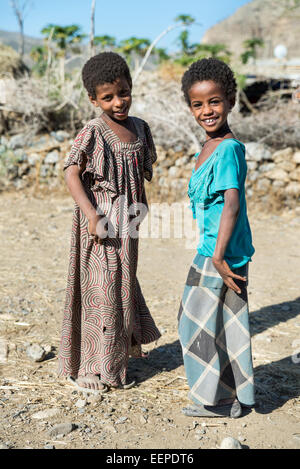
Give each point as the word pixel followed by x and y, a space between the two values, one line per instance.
pixel 114 99
pixel 209 105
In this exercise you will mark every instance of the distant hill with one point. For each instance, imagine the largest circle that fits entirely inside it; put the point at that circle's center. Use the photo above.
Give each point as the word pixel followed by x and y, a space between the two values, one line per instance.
pixel 274 21
pixel 12 39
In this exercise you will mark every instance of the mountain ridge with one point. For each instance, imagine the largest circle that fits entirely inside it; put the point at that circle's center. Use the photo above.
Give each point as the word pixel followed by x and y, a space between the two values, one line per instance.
pixel 274 21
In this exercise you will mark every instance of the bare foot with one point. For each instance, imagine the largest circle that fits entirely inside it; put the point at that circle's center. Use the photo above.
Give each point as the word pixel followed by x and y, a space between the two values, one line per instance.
pixel 90 381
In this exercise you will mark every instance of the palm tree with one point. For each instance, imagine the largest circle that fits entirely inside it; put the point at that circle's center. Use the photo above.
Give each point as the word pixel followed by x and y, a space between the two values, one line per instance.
pixel 39 55
pixel 251 49
pixel 134 45
pixel 181 20
pixel 105 41
pixel 65 37
pixel 217 51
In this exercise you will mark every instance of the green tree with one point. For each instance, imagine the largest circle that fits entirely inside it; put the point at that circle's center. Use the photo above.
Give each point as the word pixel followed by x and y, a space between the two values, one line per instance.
pixel 187 20
pixel 105 41
pixel 251 46
pixel 187 50
pixel 133 46
pixel 217 51
pixel 180 21
pixel 161 54
pixel 66 38
pixel 39 55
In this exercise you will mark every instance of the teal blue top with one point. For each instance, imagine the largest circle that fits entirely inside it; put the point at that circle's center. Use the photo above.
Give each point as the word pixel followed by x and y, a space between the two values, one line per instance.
pixel 224 169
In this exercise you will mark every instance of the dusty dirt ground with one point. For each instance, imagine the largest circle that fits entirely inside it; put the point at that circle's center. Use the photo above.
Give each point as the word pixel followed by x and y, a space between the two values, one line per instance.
pixel 35 233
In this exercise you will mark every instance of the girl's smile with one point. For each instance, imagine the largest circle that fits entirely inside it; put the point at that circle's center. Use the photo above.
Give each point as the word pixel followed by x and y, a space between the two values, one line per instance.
pixel 114 99
pixel 210 106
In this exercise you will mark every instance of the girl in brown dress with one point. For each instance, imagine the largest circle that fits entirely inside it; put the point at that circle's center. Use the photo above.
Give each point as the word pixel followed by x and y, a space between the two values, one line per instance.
pixel 106 317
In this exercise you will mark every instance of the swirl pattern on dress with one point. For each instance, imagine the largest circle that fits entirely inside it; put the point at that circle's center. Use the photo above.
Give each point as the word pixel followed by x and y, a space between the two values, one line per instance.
pixel 105 311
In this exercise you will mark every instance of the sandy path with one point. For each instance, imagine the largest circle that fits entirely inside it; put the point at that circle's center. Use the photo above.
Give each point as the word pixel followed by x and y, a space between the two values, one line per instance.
pixel 34 253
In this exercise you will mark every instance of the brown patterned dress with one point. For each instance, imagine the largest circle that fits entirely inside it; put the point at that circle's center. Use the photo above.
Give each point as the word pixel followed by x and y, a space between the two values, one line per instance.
pixel 105 311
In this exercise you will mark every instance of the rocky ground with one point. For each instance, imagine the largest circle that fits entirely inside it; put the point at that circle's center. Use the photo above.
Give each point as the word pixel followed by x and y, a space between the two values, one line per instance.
pixel 38 410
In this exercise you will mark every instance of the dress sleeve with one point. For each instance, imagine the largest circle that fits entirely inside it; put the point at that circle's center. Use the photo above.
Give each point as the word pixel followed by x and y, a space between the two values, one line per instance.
pixel 227 170
pixel 89 148
pixel 82 148
pixel 150 155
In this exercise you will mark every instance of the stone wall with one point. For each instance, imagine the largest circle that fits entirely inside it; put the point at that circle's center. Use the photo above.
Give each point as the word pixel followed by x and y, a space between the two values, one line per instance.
pixel 273 176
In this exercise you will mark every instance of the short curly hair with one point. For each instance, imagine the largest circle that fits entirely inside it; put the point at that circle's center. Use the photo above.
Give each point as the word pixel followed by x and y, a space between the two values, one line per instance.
pixel 105 67
pixel 209 69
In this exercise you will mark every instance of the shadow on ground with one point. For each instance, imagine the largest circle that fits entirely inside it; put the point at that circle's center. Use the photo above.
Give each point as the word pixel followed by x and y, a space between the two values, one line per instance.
pixel 269 316
pixel 276 382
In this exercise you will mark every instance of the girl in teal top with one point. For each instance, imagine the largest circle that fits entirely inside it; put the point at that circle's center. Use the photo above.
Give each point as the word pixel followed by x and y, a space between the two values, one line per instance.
pixel 213 315
pixel 223 170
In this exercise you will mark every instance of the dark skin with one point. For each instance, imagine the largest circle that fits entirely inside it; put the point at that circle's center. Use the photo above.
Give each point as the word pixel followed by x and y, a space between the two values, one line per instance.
pixel 115 100
pixel 210 108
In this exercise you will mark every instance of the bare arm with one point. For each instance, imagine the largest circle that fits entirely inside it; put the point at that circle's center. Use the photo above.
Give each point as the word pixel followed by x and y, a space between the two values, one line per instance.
pixel 227 224
pixel 73 181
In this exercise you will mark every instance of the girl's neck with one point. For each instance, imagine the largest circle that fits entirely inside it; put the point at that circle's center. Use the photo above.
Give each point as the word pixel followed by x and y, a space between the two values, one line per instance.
pixel 124 123
pixel 223 132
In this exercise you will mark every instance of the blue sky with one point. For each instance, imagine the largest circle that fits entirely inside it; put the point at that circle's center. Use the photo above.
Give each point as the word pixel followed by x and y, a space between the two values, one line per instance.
pixel 122 19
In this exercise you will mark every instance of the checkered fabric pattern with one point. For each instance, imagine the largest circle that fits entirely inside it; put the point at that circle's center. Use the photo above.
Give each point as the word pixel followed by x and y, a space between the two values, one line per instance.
pixel 214 335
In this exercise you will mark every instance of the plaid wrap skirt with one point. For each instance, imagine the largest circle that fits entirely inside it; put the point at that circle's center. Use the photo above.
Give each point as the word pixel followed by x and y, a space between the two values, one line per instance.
pixel 213 326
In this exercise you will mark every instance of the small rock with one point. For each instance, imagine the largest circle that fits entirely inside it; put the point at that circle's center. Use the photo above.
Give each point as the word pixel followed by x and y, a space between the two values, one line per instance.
pixel 21 156
pixel 45 414
pixel 121 420
pixel 17 141
pixel 252 165
pixel 178 148
pixel 296 157
pixel 283 155
pixel 200 431
pixel 230 443
pixel 44 171
pixel 278 174
pixel 49 446
pixel 62 429
pixel 295 175
pixel 263 185
pixel 3 350
pixel 12 172
pixel 3 446
pixel 182 161
pixel 287 166
pixel 278 184
pixel 267 167
pixel 60 135
pixel 81 403
pixel 257 151
pixel 95 399
pixel 33 158
pixel 36 352
pixel 253 176
pixel 173 171
pixel 293 189
pixel 52 157
pixel 143 420
pixel 178 184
